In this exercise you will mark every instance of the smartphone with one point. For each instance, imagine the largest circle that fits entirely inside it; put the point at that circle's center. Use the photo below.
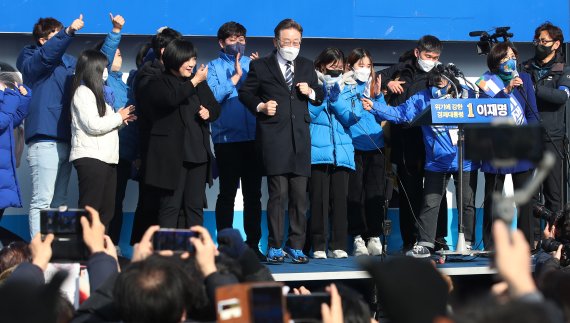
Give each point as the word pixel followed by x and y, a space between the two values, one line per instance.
pixel 504 142
pixel 307 308
pixel 65 225
pixel 62 221
pixel 177 240
pixel 267 304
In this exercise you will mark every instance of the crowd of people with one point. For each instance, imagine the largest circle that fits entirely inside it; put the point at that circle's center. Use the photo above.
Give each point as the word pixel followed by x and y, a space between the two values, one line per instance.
pixel 319 126
pixel 316 126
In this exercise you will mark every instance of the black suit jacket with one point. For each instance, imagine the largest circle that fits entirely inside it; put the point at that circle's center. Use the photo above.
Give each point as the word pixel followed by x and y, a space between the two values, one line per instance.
pixel 284 139
pixel 173 106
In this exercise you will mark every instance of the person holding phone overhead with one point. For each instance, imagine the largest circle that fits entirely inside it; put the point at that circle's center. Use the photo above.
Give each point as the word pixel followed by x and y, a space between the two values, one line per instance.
pixel 277 90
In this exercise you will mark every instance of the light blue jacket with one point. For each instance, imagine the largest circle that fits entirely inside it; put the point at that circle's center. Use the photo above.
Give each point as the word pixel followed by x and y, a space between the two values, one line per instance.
pixel 366 134
pixel 441 153
pixel 330 139
pixel 236 123
pixel 128 137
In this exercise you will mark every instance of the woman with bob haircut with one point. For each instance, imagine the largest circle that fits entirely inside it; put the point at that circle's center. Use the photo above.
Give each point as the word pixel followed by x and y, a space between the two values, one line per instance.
pixel 179 156
pixel 95 135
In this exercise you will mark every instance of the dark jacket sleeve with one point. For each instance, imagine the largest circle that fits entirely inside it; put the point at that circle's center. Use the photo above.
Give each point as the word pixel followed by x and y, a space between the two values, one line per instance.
pixel 249 92
pixel 99 307
pixel 168 96
pixel 27 272
pixel 208 100
pixel 531 111
pixel 388 73
pixel 216 280
pixel 314 84
pixel 100 267
pixel 556 95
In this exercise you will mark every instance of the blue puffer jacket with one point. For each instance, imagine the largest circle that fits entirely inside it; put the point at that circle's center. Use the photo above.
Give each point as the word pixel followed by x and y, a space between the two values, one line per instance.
pixel 530 116
pixel 128 135
pixel 366 134
pixel 441 153
pixel 330 140
pixel 13 109
pixel 48 71
pixel 236 123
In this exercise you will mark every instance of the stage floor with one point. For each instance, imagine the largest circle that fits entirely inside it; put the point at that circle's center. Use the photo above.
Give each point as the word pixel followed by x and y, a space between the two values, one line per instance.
pixel 341 269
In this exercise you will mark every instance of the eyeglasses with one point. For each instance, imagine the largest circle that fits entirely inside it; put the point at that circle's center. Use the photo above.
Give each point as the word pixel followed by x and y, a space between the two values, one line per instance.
pixel 542 41
pixel 288 43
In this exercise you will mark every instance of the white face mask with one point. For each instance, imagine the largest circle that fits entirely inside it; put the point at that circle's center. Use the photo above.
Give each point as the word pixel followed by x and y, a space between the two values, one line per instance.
pixel 362 74
pixel 426 65
pixel 289 53
pixel 105 74
pixel 331 79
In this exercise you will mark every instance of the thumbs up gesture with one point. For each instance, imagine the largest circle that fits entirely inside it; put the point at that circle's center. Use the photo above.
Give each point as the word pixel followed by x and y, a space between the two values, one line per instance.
pixel 76 25
pixel 118 22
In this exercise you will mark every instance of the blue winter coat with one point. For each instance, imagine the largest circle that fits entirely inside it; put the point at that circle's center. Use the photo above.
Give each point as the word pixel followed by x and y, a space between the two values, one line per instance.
pixel 13 109
pixel 530 114
pixel 236 123
pixel 48 71
pixel 441 153
pixel 330 139
pixel 366 134
pixel 128 136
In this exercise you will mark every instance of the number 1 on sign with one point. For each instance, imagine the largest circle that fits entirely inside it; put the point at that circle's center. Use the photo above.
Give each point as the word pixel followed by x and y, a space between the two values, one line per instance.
pixel 470 108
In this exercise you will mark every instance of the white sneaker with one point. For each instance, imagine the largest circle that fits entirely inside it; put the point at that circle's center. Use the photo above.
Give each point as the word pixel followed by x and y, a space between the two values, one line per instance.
pixel 374 246
pixel 319 255
pixel 337 254
pixel 360 247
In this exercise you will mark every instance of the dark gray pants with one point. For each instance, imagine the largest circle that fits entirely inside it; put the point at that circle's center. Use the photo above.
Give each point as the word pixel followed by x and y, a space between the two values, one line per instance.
pixel 434 190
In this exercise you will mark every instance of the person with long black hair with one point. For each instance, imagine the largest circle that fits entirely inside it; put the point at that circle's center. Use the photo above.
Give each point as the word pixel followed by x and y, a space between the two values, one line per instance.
pixel 94 135
pixel 179 158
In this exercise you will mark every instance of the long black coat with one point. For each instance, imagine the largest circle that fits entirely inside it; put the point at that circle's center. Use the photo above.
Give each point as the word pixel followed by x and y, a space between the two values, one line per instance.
pixel 169 99
pixel 284 139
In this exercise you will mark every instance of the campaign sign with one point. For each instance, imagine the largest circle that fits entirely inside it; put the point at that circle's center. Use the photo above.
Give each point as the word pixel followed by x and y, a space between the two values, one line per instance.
pixel 460 111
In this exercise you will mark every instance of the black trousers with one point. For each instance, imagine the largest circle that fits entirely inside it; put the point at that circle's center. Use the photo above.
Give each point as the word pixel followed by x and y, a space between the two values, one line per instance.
pixel 411 191
pixel 552 185
pixel 525 221
pixel 123 174
pixel 328 190
pixel 291 188
pixel 238 161
pixel 189 196
pixel 97 186
pixel 434 191
pixel 366 194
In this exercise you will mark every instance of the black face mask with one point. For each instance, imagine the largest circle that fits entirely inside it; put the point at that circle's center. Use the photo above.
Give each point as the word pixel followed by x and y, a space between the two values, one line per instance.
pixel 333 73
pixel 541 51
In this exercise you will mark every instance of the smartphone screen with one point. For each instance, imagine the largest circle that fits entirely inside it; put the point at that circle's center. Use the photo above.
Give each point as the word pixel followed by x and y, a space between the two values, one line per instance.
pixel 307 308
pixel 173 239
pixel 267 304
pixel 61 222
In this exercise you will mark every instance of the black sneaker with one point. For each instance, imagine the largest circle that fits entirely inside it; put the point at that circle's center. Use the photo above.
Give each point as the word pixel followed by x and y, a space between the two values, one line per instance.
pixel 441 244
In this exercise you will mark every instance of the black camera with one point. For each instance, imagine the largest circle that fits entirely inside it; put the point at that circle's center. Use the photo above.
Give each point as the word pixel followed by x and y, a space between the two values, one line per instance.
pixel 552 218
pixel 486 41
pixel 551 245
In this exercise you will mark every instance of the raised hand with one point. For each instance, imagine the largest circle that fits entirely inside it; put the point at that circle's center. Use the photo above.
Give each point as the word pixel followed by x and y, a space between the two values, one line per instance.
pixel 201 75
pixel 204 113
pixel 254 55
pixel 118 22
pixel 126 114
pixel 41 250
pixel 304 88
pixel 76 25
pixel 396 86
pixel 269 108
pixel 367 104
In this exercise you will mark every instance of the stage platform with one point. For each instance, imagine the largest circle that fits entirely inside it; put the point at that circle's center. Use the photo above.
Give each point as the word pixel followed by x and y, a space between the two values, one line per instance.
pixel 346 269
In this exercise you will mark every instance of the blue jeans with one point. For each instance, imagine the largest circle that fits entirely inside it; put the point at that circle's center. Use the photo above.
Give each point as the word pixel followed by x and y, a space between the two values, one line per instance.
pixel 50 167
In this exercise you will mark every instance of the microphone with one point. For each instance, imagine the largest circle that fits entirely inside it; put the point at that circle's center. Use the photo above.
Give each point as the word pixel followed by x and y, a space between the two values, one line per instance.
pixel 477 33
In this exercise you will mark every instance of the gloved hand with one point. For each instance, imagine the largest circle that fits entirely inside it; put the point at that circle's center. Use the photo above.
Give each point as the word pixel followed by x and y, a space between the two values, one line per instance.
pixel 231 243
pixel 334 92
